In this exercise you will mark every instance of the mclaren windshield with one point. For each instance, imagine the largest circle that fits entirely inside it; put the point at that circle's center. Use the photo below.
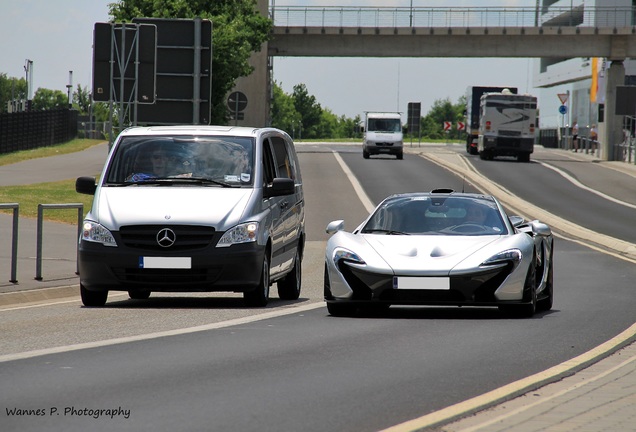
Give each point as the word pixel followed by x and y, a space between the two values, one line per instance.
pixel 435 215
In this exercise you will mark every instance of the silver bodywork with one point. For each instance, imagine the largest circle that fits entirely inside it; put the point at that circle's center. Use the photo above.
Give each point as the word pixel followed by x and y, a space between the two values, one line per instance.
pixel 194 208
pixel 359 264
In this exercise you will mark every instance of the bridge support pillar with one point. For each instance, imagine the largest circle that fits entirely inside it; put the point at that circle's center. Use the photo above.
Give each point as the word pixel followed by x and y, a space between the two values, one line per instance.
pixel 613 131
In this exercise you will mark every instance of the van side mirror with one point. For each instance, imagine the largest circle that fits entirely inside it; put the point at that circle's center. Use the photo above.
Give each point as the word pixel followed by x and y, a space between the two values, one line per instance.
pixel 85 185
pixel 280 187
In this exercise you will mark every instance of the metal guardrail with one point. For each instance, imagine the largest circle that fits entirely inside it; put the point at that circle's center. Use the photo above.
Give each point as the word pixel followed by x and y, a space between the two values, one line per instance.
pixel 14 239
pixel 334 16
pixel 40 225
pixel 626 150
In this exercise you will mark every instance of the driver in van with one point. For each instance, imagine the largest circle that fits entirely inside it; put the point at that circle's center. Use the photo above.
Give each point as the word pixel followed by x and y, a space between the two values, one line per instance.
pixel 163 163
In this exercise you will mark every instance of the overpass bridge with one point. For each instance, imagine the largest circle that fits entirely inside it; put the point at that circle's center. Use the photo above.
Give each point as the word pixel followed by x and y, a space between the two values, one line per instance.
pixel 452 32
pixel 558 33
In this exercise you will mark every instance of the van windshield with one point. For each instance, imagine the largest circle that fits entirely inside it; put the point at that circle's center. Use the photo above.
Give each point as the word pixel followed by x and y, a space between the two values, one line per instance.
pixel 384 125
pixel 229 160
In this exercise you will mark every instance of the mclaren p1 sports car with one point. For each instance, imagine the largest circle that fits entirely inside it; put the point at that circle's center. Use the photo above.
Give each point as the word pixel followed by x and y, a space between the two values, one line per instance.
pixel 439 248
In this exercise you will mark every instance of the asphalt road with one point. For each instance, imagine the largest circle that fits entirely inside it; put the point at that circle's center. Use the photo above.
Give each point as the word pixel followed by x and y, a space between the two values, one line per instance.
pixel 180 364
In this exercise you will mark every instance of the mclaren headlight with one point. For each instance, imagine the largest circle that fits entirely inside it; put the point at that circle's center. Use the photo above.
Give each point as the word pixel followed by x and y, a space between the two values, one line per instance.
pixel 243 233
pixel 96 233
pixel 342 254
pixel 510 256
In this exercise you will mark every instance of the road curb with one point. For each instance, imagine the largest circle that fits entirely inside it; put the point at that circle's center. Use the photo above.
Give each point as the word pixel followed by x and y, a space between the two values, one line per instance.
pixel 36 295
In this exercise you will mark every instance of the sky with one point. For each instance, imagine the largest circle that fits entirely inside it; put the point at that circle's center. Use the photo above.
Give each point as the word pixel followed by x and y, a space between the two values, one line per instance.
pixel 57 36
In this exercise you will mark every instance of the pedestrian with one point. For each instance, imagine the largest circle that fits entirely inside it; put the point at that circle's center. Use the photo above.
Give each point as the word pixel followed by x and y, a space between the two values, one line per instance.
pixel 575 136
pixel 594 137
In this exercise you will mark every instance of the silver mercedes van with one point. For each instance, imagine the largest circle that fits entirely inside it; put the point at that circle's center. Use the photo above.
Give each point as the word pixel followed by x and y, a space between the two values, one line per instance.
pixel 194 209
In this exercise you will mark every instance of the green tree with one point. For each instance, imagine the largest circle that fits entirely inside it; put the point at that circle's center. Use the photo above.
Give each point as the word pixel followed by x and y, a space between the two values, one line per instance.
pixel 284 114
pixel 46 99
pixel 11 89
pixel 81 100
pixel 432 125
pixel 309 109
pixel 238 31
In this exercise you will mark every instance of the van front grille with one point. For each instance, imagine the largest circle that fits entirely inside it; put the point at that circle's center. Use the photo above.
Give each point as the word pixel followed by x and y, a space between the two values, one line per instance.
pixel 186 237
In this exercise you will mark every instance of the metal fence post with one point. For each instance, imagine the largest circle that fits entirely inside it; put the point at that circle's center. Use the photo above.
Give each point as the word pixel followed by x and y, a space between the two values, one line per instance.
pixel 14 239
pixel 41 207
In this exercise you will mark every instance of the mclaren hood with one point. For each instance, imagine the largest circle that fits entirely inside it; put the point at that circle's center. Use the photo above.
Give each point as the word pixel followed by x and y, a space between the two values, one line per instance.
pixel 438 254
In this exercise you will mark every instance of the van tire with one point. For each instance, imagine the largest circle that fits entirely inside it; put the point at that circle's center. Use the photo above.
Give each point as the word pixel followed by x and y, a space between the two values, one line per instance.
pixel 93 298
pixel 365 154
pixel 289 286
pixel 400 156
pixel 259 296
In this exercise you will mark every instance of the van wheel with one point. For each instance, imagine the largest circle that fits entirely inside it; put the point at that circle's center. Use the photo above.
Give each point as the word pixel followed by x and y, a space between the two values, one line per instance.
pixel 139 295
pixel 365 154
pixel 259 296
pixel 93 298
pixel 400 156
pixel 289 287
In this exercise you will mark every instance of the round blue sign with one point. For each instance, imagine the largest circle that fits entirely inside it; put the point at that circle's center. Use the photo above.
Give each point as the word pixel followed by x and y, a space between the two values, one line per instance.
pixel 563 109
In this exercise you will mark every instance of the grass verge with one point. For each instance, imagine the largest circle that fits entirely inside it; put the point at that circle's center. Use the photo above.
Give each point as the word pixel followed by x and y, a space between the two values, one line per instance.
pixel 62 192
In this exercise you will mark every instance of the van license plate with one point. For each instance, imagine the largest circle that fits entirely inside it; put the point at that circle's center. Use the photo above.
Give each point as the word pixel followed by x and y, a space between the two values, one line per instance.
pixel 165 262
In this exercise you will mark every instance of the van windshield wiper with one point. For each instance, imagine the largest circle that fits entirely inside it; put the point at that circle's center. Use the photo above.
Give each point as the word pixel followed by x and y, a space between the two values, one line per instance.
pixel 204 181
pixel 174 180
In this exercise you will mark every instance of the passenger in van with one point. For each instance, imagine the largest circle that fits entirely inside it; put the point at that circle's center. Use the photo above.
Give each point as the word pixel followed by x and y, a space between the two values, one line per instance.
pixel 161 163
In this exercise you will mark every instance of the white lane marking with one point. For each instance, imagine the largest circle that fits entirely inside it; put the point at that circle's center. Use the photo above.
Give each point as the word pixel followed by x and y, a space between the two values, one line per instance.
pixel 364 198
pixel 175 332
pixel 577 183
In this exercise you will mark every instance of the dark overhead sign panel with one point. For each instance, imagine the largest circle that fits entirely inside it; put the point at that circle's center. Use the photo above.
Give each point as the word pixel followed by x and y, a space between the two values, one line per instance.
pixel 124 58
pixel 184 72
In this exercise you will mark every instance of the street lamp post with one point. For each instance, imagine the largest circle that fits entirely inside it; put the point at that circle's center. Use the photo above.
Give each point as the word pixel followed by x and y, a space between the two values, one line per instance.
pixel 69 86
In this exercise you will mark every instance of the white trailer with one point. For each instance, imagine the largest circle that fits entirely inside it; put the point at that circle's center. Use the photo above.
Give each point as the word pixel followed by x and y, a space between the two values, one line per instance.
pixel 507 125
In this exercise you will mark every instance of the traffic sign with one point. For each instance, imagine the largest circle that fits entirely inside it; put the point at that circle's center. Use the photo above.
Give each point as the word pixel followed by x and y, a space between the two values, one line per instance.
pixel 563 109
pixel 460 126
pixel 563 97
pixel 447 125
pixel 237 101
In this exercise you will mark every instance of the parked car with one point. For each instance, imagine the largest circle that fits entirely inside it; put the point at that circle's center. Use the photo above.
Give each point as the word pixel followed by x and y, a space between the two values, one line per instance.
pixel 194 208
pixel 439 248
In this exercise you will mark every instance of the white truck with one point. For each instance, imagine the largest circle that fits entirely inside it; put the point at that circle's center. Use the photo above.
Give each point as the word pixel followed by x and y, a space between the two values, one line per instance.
pixel 507 125
pixel 382 134
pixel 473 99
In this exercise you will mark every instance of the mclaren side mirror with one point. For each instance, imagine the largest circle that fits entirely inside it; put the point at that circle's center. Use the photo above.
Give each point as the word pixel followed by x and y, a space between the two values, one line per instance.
pixel 334 227
pixel 539 228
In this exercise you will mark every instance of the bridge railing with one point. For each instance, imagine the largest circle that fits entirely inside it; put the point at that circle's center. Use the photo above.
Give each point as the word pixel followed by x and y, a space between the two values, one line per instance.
pixel 333 16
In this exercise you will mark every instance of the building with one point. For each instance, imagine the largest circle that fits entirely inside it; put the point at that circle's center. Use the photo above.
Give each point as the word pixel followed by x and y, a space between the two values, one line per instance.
pixel 572 78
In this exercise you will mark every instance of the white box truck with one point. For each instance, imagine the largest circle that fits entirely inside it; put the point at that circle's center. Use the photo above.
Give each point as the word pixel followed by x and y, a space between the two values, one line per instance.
pixel 473 99
pixel 507 125
pixel 382 134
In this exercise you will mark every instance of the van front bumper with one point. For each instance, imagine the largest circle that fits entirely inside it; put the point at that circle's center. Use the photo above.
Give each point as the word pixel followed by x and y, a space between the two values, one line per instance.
pixel 384 147
pixel 237 268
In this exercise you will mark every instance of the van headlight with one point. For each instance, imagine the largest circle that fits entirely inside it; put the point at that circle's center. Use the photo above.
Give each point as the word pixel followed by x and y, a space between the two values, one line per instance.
pixel 243 233
pixel 96 233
